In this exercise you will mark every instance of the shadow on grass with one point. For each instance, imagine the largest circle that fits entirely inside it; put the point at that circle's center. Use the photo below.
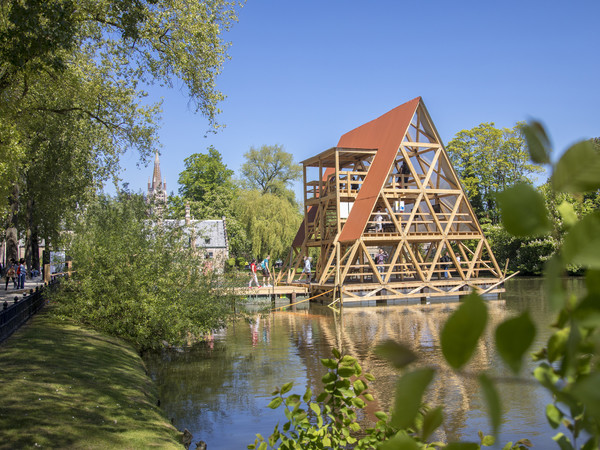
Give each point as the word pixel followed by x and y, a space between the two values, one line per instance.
pixel 67 387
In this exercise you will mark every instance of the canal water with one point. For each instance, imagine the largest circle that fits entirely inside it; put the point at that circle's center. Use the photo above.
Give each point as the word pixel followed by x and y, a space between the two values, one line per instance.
pixel 220 390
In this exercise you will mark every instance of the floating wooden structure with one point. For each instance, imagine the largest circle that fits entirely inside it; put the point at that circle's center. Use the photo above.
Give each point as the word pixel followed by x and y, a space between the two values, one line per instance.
pixel 290 291
pixel 389 185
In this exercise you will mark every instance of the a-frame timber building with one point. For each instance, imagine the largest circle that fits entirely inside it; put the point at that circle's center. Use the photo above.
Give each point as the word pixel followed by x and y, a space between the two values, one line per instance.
pixel 389 185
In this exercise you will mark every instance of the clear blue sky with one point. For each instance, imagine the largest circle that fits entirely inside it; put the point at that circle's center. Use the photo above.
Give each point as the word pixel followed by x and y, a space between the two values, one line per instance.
pixel 302 73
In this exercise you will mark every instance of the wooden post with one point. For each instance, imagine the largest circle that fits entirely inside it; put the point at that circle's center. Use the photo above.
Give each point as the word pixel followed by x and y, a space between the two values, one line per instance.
pixel 424 298
pixel 47 274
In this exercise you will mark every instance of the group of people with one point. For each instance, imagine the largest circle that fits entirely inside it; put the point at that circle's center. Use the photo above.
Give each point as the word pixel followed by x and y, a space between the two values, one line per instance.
pixel 380 260
pixel 16 271
pixel 264 268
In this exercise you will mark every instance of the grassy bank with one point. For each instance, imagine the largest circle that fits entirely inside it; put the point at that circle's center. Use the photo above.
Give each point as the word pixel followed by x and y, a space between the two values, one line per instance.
pixel 63 386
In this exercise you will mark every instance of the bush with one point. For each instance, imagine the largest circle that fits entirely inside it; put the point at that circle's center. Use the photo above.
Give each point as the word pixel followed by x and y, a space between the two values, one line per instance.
pixel 139 279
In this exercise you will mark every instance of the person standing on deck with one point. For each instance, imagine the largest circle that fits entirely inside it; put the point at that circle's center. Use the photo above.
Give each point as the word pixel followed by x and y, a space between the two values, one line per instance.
pixel 266 272
pixel 379 221
pixel 445 260
pixel 306 269
pixel 253 274
pixel 380 260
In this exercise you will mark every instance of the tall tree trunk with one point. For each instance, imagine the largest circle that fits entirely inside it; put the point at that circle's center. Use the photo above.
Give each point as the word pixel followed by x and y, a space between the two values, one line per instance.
pixel 35 249
pixel 29 234
pixel 12 235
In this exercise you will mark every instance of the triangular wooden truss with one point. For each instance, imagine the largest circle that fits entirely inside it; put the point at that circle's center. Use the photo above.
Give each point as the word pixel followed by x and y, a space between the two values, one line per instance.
pixel 389 185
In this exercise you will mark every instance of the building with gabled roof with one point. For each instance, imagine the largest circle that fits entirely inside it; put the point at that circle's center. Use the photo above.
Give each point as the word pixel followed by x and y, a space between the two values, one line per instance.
pixel 207 237
pixel 389 184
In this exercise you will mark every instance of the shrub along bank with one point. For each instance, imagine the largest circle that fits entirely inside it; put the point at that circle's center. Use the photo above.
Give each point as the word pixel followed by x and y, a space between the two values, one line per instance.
pixel 64 386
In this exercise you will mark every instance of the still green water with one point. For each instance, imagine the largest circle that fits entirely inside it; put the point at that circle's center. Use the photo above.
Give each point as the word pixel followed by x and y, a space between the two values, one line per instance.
pixel 220 390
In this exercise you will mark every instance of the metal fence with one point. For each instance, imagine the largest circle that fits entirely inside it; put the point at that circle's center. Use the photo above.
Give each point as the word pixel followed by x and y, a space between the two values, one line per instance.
pixel 14 313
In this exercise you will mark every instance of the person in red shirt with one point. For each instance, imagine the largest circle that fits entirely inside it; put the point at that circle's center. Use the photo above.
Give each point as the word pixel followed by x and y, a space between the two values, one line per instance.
pixel 253 274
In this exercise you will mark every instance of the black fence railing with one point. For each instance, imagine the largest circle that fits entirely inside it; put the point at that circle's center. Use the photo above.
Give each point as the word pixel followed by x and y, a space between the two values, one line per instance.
pixel 15 312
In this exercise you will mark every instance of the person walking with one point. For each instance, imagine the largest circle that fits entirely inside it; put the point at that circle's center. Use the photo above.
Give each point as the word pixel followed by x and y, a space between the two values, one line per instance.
pixel 253 274
pixel 266 272
pixel 11 273
pixel 306 269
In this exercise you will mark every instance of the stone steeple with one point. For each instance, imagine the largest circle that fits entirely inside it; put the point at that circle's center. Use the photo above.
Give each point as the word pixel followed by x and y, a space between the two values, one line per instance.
pixel 157 187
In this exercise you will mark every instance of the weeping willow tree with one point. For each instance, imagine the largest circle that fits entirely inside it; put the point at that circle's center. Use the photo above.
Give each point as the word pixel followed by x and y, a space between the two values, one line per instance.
pixel 270 222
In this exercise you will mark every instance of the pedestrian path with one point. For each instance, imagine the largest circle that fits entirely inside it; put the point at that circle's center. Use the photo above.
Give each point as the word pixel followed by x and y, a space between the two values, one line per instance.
pixel 11 292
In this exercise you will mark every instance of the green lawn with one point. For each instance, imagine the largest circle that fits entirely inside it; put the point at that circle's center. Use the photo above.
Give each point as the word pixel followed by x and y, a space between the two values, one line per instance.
pixel 63 386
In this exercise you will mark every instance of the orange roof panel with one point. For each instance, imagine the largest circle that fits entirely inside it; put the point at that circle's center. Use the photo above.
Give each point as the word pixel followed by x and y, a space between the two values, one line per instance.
pixel 385 134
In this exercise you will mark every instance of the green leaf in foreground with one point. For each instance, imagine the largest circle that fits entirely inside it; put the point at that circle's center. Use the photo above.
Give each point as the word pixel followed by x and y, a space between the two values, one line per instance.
pixel 578 169
pixel 582 244
pixel 513 338
pixel 588 392
pixel 554 415
pixel 399 355
pixel 462 446
pixel 274 404
pixel 462 331
pixel 568 214
pixel 399 442
pixel 431 421
pixel 493 401
pixel 523 211
pixel 563 442
pixel 553 283
pixel 409 394
pixel 537 142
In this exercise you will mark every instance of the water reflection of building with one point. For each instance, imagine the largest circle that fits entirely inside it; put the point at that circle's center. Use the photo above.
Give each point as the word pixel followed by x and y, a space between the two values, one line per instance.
pixel 358 330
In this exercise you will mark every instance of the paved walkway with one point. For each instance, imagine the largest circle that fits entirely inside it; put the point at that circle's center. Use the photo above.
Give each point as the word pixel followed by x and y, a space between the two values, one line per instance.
pixel 11 292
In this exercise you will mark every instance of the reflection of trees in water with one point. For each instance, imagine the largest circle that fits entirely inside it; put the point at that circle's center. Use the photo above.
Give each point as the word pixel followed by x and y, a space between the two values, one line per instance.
pixel 203 385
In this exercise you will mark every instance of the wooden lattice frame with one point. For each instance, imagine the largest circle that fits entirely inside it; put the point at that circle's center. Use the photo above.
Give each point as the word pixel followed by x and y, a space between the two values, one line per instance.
pixel 426 211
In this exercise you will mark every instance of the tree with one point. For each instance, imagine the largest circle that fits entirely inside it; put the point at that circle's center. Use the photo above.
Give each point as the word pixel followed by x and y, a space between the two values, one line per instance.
pixel 206 184
pixel 77 69
pixel 271 169
pixel 141 40
pixel 488 160
pixel 139 280
pixel 270 222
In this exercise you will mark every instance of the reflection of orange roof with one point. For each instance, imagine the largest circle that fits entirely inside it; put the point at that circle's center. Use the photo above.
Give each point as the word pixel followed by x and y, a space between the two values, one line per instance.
pixel 385 134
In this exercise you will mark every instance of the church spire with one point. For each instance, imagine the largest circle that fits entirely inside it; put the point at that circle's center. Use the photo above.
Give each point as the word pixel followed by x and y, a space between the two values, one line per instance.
pixel 157 187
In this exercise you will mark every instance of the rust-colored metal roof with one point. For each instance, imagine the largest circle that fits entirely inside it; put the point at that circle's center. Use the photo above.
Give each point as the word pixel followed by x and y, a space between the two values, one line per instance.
pixel 385 134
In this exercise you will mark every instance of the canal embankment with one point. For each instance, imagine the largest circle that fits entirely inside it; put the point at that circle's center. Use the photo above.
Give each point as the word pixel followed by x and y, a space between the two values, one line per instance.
pixel 64 386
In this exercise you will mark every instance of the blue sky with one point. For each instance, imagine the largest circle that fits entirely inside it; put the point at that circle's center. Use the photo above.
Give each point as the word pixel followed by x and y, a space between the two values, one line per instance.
pixel 303 73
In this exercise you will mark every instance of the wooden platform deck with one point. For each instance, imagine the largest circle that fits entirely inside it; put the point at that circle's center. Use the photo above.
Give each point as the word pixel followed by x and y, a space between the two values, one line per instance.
pixel 369 292
pixel 286 290
pixel 415 290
